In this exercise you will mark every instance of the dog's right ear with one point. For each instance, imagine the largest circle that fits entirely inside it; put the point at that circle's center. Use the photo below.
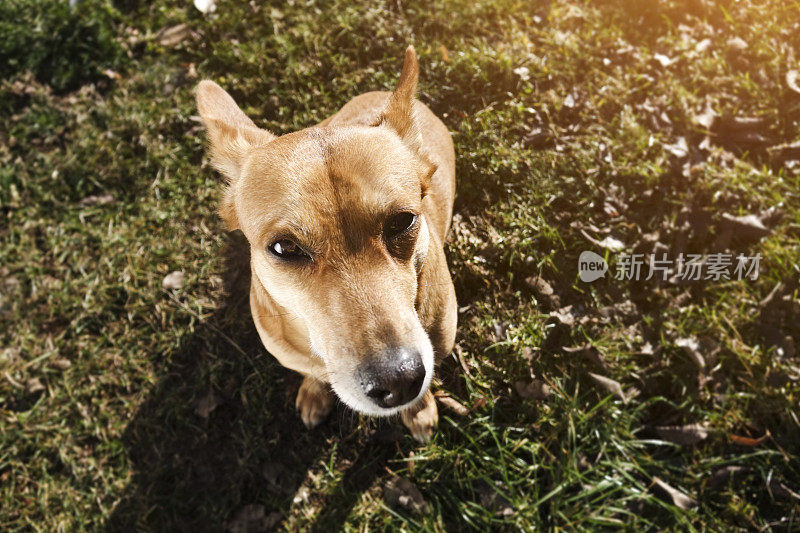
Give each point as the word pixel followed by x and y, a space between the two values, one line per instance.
pixel 230 132
pixel 231 135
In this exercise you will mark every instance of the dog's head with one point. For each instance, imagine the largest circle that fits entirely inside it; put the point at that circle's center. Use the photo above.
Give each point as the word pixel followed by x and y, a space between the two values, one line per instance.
pixel 337 234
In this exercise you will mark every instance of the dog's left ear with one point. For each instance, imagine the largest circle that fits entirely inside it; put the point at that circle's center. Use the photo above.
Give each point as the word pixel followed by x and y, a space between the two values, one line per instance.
pixel 231 134
pixel 399 114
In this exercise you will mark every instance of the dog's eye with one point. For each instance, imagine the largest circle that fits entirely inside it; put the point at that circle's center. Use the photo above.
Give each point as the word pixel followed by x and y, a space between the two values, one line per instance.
pixel 287 249
pixel 400 223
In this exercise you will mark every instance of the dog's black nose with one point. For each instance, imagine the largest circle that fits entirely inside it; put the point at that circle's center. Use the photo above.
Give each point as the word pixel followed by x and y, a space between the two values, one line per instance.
pixel 392 378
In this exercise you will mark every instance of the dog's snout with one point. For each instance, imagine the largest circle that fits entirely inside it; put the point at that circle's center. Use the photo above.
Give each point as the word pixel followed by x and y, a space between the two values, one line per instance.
pixel 393 378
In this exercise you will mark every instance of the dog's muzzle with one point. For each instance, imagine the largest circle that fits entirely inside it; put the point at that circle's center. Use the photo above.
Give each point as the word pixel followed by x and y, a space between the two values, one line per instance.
pixel 392 378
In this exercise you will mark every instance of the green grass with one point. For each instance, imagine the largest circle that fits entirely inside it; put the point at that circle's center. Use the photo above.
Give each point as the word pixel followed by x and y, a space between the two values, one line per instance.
pixel 101 369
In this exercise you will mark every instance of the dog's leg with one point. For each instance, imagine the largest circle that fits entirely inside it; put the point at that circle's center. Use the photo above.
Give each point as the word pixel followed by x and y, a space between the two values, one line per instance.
pixel 314 401
pixel 422 418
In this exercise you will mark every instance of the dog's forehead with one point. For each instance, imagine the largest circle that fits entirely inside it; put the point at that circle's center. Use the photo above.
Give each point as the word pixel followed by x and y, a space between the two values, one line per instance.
pixel 302 180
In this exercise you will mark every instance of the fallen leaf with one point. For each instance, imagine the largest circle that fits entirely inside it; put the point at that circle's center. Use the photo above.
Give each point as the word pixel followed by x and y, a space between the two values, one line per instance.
pixel 205 405
pixel 706 119
pixel 275 475
pixel 679 149
pixel 538 138
pixel 588 353
pixel 745 228
pixel 111 74
pixel 528 354
pixel 782 491
pixel 452 404
pixel 724 475
pixel 774 296
pixel 687 435
pixel 536 389
pixel 609 385
pixel 678 498
pixel 34 385
pixel 100 199
pixel 61 364
pixel 563 317
pixel 491 498
pixel 785 152
pixel 539 286
pixel 792 79
pixel 749 441
pixel 737 43
pixel 402 494
pixel 173 280
pixel 691 349
pixel 251 518
pixel 445 54
pixel 174 35
pixel 500 330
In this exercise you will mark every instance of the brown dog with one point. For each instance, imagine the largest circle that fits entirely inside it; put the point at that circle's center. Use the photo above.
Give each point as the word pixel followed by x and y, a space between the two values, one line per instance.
pixel 346 221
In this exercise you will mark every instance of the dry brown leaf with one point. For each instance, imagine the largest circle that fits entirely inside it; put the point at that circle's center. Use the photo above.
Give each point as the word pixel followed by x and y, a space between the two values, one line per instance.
pixel 275 475
pixel 687 435
pixel 34 385
pixel 205 405
pixel 737 43
pixel 749 441
pixel 782 491
pixel 589 353
pixel 402 494
pixel 536 389
pixel 173 280
pixel 609 385
pixel 539 286
pixel 528 354
pixel 173 35
pixel 452 404
pixel 746 228
pixel 691 349
pixel 251 518
pixel 61 364
pixel 97 199
pixel 679 149
pixel 679 499
pixel 491 498
pixel 706 119
pixel 723 475
pixel 563 316
pixel 792 79
pixel 445 53
pixel 785 152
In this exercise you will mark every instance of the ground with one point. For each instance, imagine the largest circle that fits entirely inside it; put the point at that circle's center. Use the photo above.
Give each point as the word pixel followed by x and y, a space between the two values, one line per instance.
pixel 130 399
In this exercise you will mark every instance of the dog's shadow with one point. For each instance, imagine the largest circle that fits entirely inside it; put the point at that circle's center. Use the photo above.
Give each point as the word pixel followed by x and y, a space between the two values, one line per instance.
pixel 217 443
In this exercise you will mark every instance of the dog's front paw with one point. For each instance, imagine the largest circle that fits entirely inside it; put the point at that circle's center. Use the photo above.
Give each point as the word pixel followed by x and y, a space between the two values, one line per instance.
pixel 422 418
pixel 314 401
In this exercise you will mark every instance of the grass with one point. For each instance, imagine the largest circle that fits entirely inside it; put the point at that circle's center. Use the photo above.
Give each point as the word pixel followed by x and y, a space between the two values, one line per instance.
pixel 105 190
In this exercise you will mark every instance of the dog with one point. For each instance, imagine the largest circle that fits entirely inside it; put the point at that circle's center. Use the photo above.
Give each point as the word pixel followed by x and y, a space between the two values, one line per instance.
pixel 346 222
